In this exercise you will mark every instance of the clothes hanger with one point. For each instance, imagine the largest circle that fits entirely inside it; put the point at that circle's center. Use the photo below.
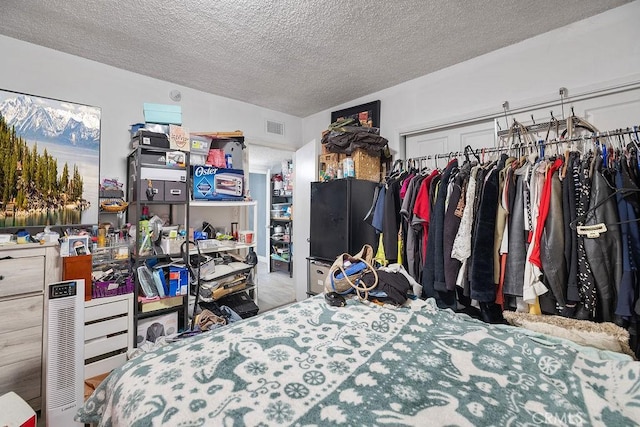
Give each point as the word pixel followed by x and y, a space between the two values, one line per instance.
pixel 423 167
pixel 576 122
pixel 469 150
pixel 593 231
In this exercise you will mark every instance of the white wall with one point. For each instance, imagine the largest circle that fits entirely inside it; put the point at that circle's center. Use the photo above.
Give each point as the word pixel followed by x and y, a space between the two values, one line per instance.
pixel 120 94
pixel 591 53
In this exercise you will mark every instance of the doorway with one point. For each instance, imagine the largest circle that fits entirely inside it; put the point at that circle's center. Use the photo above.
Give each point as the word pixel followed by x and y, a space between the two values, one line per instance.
pixel 258 190
pixel 276 289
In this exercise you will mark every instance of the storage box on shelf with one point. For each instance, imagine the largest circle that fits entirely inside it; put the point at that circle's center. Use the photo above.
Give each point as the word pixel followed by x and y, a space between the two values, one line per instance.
pixel 160 187
pixel 218 184
pixel 318 271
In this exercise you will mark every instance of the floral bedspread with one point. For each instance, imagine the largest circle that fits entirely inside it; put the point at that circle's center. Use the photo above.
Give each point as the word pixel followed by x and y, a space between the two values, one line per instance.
pixel 312 364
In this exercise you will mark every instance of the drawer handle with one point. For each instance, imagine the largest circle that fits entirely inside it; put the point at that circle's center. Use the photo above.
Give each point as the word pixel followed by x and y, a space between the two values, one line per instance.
pixel 319 272
pixel 1 277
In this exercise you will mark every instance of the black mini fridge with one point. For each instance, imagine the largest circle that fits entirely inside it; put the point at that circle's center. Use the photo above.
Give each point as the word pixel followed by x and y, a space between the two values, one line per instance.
pixel 338 209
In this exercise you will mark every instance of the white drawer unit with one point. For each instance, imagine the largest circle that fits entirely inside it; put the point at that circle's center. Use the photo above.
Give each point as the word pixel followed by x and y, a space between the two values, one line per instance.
pixel 108 333
pixel 25 270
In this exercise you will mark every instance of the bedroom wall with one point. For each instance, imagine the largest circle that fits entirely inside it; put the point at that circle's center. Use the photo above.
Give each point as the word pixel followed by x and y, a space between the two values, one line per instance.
pixel 120 94
pixel 592 53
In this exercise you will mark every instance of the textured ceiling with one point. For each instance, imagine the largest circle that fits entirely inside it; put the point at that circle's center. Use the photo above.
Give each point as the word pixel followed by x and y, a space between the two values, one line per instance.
pixel 294 56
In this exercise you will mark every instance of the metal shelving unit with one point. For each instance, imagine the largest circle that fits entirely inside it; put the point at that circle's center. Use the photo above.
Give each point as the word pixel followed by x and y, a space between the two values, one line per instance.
pixel 222 247
pixel 281 256
pixel 157 193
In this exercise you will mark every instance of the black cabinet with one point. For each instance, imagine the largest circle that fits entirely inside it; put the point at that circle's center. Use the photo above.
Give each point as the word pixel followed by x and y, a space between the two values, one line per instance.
pixel 338 209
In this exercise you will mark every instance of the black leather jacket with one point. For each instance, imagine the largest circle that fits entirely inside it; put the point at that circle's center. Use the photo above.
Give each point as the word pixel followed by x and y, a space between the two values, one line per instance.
pixel 604 253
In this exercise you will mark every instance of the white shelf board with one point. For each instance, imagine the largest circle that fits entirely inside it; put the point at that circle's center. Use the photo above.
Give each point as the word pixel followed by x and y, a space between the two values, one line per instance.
pixel 223 247
pixel 214 204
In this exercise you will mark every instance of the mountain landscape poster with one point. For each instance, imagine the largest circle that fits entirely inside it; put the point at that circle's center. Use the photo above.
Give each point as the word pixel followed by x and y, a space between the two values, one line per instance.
pixel 49 161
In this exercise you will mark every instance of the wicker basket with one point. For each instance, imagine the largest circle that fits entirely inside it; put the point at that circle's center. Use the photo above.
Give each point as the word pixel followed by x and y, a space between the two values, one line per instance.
pixel 113 205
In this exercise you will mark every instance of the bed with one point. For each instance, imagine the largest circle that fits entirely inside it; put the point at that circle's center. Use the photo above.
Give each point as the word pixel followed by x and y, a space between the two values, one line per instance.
pixel 363 364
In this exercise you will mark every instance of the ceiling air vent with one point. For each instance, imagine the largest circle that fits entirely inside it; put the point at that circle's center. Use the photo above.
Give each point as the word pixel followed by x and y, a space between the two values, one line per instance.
pixel 275 128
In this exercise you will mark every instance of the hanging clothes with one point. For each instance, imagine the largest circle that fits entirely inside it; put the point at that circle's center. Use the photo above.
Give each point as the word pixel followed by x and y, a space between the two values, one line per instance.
pixel 422 218
pixel 391 223
pixel 433 283
pixel 452 218
pixel 504 165
pixel 570 236
pixel 411 243
pixel 483 287
pixel 630 237
pixel 551 245
pixel 504 234
pixel 514 270
pixel 586 281
pixel 461 249
pixel 605 252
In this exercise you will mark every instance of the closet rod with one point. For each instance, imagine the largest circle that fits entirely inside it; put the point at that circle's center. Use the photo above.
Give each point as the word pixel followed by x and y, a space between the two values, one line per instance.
pixel 605 134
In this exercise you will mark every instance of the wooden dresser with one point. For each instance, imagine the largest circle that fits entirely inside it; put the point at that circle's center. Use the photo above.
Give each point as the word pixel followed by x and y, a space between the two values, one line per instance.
pixel 25 270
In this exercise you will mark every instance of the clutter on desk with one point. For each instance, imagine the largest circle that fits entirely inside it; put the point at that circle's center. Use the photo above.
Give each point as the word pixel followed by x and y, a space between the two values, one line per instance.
pixel 74 245
pixel 209 237
pixel 157 237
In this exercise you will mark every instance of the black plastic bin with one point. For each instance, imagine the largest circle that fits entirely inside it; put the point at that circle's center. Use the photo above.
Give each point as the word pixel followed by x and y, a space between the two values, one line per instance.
pixel 241 303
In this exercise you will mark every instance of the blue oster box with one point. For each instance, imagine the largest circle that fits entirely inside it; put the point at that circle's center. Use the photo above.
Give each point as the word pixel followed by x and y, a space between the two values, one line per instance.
pixel 211 183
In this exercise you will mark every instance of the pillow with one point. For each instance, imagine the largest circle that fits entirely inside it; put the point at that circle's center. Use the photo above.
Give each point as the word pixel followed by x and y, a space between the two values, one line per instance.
pixel 604 336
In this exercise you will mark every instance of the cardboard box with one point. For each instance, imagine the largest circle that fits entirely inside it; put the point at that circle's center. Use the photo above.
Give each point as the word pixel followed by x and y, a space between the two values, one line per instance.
pixel 179 138
pixel 211 183
pixel 366 166
pixel 330 162
pixel 151 328
pixel 161 113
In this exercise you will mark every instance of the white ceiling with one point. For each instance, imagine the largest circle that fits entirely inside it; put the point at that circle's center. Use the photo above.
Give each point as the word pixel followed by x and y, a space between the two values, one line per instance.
pixel 294 56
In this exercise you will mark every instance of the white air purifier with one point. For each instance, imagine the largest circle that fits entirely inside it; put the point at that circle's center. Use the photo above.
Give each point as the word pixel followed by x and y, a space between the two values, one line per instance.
pixel 65 355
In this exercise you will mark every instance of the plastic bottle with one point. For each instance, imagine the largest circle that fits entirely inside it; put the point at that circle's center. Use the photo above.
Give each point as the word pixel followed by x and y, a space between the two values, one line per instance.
pixel 348 168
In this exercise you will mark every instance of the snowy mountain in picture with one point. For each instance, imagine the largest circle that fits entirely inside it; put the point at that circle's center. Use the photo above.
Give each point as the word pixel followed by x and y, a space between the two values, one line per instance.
pixel 36 120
